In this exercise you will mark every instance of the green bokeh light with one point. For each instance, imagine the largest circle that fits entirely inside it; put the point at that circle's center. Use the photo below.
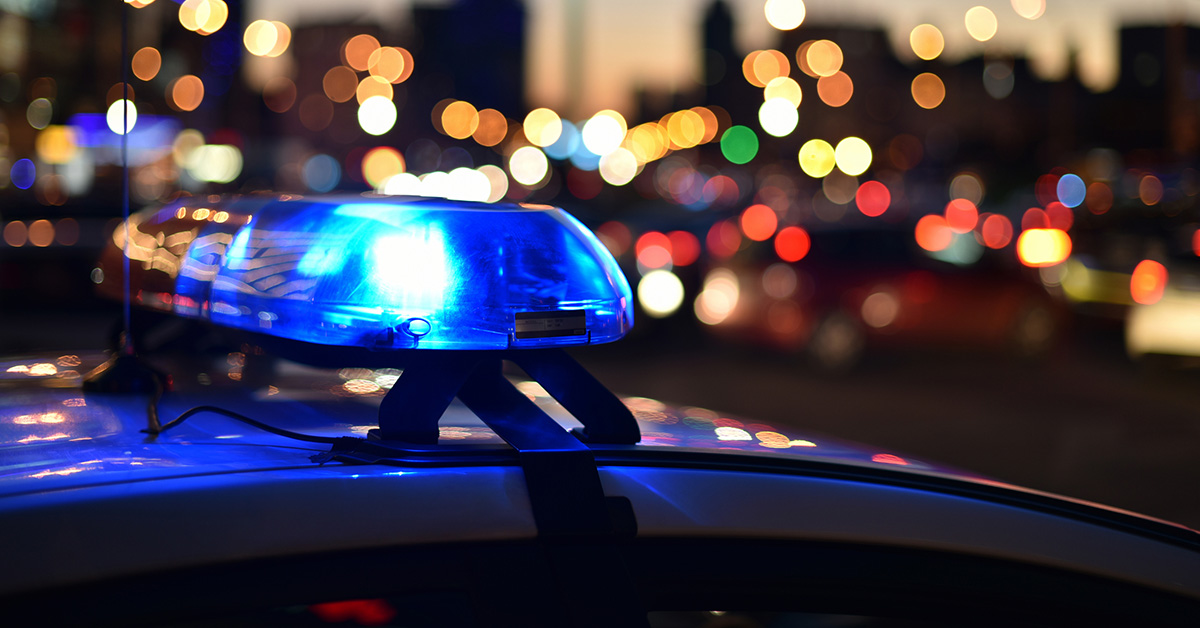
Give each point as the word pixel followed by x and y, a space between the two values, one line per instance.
pixel 739 144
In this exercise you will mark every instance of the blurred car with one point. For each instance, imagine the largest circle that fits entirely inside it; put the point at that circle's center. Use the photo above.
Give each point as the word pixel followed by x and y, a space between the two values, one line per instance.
pixel 858 288
pixel 342 484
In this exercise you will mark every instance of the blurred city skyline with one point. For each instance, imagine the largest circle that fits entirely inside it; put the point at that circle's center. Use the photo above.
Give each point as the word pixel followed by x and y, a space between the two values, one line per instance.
pixel 624 46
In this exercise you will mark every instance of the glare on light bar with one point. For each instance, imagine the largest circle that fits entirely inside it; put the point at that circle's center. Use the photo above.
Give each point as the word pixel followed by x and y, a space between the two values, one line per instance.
pixel 381 273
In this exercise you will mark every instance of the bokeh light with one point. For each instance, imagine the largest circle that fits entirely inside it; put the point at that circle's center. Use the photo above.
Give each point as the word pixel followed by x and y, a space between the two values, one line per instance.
pixel 1035 218
pixel 186 92
pixel 381 163
pixel 783 87
pixel 387 63
pixel 56 144
pixel 853 156
pixel 460 119
pixel 618 167
pixel 933 233
pixel 1150 189
pixel 146 63
pixel 996 231
pixel 41 233
pixel 1099 198
pixel 357 51
pixel 23 173
pixel 739 144
pixel 778 117
pixel 372 86
pixel 492 128
pixel 39 112
pixel 122 115
pixel 660 293
pixel 215 163
pixel 961 215
pixel 1071 190
pixel 542 127
pixel 322 173
pixel 928 91
pixel 528 165
pixel 835 90
pixel 758 222
pixel 265 38
pixel 1146 284
pixel 785 15
pixel 873 198
pixel 685 248
pixel 762 66
pixel 723 239
pixel 604 132
pixel 1029 9
pixel 377 115
pixel 719 297
pixel 279 94
pixel 823 58
pixel 1059 216
pixel 339 83
pixel 981 23
pixel 498 181
pixel 817 158
pixel 792 244
pixel 16 234
pixel 926 41
pixel 1043 247
pixel 967 185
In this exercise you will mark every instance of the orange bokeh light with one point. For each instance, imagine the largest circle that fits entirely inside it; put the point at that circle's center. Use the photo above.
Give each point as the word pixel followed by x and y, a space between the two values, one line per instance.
pixel 961 215
pixel 1043 247
pixel 339 83
pixel 792 244
pixel 997 231
pixel 1148 282
pixel 358 50
pixel 759 222
pixel 933 233
pixel 186 92
pixel 835 90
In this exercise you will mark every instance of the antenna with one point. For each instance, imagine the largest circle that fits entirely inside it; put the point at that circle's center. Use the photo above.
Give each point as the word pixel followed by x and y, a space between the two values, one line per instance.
pixel 124 372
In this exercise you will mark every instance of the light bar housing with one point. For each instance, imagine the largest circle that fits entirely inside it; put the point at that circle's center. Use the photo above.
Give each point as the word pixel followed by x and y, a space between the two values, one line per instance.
pixel 376 272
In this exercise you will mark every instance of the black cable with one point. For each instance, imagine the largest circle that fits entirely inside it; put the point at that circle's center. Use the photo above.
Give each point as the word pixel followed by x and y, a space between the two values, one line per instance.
pixel 249 421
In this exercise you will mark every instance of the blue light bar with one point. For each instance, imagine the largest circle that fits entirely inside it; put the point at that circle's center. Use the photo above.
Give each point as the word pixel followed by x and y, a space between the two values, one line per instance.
pixel 382 273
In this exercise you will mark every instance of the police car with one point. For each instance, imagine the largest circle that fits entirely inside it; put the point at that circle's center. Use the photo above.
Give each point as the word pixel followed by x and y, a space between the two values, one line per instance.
pixel 395 435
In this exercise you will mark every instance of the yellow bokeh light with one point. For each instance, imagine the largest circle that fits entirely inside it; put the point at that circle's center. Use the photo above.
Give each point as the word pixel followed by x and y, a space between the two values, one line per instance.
pixel 817 158
pixel 492 129
pixel 460 119
pixel 783 87
pixel 212 18
pixel 357 51
pixel 387 63
pixel 853 156
pixel 372 86
pixel 139 4
pixel 380 163
pixel 186 92
pixel 685 129
pixel 778 117
pixel 926 41
pixel 542 127
pixel 785 15
pixel 835 90
pixel 604 131
pixel 981 23
pixel 56 144
pixel 1029 9
pixel 188 13
pixel 146 63
pixel 711 125
pixel 928 91
pixel 340 83
pixel 824 58
pixel 528 165
pixel 648 142
pixel 264 38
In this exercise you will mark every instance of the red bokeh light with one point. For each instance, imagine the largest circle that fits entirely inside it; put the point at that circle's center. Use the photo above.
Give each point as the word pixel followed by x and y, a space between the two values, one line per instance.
pixel 933 233
pixel 873 198
pixel 961 215
pixel 1035 218
pixel 723 239
pixel 1148 282
pixel 997 231
pixel 792 244
pixel 1060 216
pixel 685 248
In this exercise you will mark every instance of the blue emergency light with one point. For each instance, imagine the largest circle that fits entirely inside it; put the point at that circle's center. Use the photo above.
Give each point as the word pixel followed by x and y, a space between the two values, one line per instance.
pixel 444 289
pixel 396 273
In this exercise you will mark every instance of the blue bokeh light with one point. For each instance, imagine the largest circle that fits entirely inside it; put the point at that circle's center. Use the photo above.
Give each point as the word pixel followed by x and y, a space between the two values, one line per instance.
pixel 23 174
pixel 566 144
pixel 322 173
pixel 1071 190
